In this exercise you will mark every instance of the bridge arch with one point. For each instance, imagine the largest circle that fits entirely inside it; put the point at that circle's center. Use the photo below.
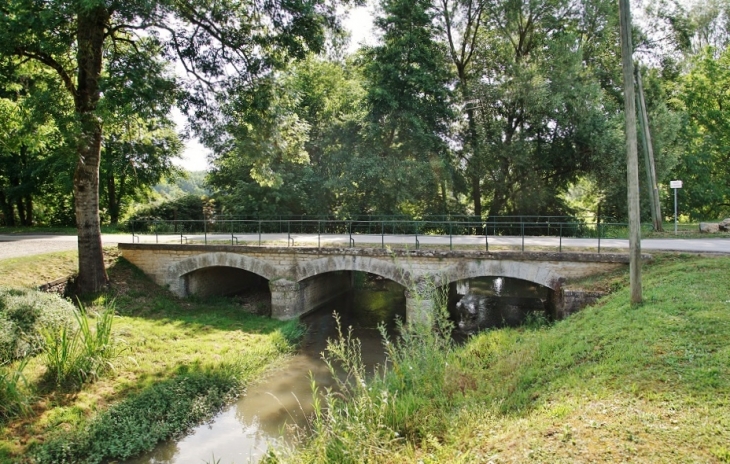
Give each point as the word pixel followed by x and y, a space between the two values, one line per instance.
pixel 177 272
pixel 367 264
pixel 532 271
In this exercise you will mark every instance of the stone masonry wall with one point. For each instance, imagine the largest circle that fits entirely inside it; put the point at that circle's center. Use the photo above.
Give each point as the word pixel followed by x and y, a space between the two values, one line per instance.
pixel 289 268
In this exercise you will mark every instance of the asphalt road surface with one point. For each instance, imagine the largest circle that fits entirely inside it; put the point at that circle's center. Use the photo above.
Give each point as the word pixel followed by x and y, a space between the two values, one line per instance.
pixel 17 245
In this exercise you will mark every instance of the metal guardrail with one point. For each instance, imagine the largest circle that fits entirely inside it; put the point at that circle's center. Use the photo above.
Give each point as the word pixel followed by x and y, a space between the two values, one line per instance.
pixel 499 227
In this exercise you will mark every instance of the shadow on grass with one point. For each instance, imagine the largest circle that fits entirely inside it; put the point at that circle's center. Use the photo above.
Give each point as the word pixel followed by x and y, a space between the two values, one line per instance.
pixel 136 295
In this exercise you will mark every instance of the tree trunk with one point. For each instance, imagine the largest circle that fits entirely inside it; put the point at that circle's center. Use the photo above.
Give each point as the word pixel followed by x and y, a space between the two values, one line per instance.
pixel 29 210
pixel 475 161
pixel 21 211
pixel 8 213
pixel 90 36
pixel 113 201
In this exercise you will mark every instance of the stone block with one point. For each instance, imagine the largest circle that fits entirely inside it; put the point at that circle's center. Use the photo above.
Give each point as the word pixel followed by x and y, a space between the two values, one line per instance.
pixel 725 225
pixel 709 227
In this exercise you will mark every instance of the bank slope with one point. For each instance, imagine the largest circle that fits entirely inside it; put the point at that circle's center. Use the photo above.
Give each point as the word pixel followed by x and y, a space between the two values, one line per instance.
pixel 613 383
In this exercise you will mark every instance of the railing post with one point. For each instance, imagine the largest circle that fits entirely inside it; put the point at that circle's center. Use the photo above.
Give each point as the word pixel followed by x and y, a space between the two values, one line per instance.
pixel 416 227
pixel 319 233
pixel 522 226
pixel 205 231
pixel 561 237
pixel 349 229
pixel 486 237
pixel 599 236
pixel 451 243
pixel 382 234
pixel 259 232
pixel 154 223
pixel 288 232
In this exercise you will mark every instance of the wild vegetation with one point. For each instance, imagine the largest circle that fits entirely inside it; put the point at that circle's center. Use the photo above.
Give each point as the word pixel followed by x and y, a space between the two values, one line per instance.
pixel 129 368
pixel 613 383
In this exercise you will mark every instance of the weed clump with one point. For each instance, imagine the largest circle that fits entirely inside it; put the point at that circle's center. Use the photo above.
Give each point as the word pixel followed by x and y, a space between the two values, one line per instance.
pixel 13 400
pixel 76 355
pixel 137 424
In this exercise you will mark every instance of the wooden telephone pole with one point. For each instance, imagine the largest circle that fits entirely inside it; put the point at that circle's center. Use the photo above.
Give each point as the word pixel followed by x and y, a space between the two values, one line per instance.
pixel 656 208
pixel 632 162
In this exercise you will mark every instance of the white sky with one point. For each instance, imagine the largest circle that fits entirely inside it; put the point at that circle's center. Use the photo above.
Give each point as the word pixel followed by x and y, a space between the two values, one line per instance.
pixel 195 156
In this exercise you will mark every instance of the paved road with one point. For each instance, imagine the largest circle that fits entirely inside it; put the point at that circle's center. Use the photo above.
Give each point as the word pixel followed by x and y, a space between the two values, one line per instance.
pixel 17 245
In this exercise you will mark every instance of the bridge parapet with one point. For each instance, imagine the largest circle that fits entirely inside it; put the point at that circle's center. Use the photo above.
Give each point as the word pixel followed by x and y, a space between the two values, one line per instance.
pixel 287 267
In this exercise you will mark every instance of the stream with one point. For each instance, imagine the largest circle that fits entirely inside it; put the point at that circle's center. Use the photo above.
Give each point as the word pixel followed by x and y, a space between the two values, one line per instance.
pixel 244 431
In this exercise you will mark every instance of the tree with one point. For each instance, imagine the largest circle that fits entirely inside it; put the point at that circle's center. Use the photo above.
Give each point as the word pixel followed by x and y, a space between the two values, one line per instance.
pixel 460 22
pixel 139 93
pixel 288 145
pixel 211 39
pixel 543 114
pixel 33 151
pixel 408 104
pixel 702 95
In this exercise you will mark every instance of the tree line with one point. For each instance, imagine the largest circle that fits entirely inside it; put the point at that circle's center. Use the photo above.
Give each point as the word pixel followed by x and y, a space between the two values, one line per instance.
pixel 477 107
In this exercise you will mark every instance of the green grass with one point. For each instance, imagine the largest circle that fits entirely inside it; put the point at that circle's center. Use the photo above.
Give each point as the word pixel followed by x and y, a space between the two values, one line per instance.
pixel 32 271
pixel 613 383
pixel 184 359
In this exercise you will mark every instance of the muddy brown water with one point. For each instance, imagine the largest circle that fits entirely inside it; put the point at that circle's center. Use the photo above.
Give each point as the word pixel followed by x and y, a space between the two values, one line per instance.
pixel 243 432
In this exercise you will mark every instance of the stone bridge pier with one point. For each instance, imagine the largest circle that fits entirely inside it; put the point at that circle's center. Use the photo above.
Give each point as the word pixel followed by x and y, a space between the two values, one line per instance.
pixel 301 279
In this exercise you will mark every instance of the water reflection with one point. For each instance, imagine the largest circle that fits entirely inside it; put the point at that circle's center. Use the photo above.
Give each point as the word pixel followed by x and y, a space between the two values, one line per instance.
pixel 244 432
pixel 493 302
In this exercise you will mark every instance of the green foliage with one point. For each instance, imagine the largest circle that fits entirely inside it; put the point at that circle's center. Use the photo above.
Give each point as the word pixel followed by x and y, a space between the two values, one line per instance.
pixel 77 355
pixel 187 183
pixel 408 113
pixel 705 134
pixel 14 400
pixel 292 333
pixel 188 207
pixel 24 316
pixel 163 410
pixel 35 169
pixel 304 169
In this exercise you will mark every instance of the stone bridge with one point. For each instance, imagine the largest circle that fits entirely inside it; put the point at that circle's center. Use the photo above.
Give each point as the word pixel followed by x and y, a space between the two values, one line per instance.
pixel 300 279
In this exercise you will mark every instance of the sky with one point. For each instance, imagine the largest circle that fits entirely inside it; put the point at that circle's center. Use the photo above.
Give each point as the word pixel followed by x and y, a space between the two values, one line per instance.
pixel 195 157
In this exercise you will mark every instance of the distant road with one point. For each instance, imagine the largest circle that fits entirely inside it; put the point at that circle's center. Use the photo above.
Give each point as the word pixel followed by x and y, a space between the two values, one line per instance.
pixel 17 245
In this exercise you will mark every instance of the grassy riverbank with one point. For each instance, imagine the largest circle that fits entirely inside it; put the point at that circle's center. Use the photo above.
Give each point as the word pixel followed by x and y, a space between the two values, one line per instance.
pixel 180 361
pixel 614 383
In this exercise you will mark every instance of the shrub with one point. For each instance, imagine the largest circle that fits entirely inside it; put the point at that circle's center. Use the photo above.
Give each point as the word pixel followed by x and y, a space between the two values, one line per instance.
pixel 23 315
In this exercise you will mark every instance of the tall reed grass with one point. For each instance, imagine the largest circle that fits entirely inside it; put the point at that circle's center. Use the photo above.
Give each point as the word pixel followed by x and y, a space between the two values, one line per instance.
pixel 366 414
pixel 14 400
pixel 77 355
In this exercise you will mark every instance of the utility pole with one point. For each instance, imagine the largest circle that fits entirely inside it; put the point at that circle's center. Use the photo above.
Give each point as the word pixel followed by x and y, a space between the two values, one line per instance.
pixel 656 208
pixel 632 168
